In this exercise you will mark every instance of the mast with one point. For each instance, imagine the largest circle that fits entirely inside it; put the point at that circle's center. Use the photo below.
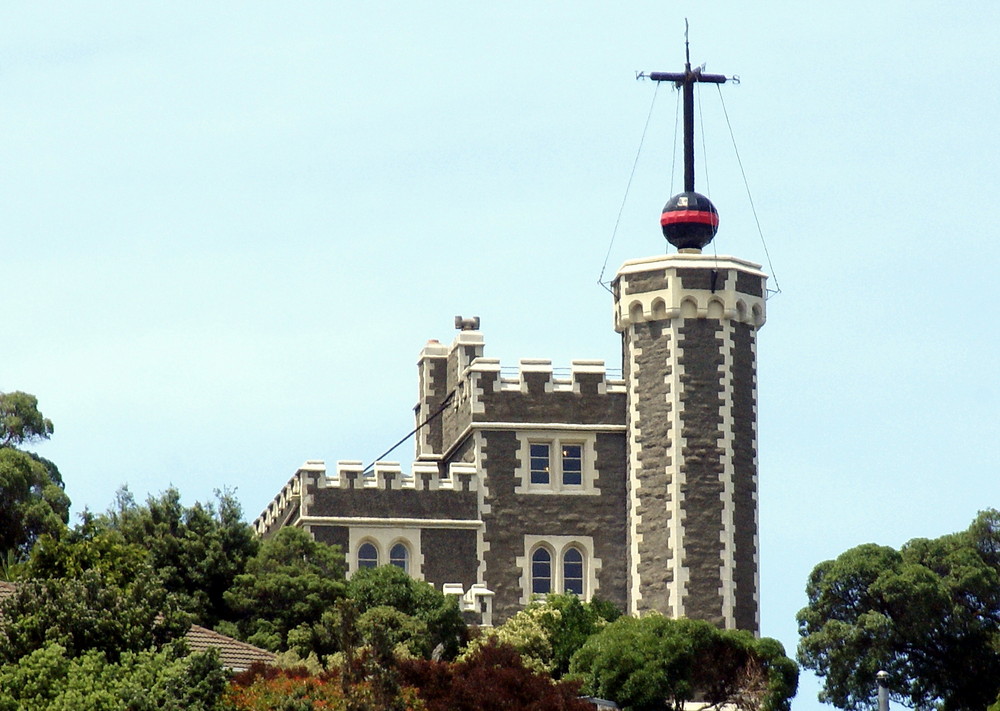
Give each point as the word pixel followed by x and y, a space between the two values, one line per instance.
pixel 689 220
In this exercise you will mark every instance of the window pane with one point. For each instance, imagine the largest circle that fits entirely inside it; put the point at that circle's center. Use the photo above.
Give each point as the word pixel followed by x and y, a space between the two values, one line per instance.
pixel 539 463
pixel 399 556
pixel 572 464
pixel 573 571
pixel 367 556
pixel 541 572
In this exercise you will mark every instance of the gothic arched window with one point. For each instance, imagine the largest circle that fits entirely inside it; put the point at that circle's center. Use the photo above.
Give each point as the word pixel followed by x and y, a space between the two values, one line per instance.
pixel 367 556
pixel 573 571
pixel 399 556
pixel 541 572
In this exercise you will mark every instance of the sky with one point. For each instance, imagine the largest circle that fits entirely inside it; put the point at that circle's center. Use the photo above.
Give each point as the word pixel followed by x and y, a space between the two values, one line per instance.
pixel 229 228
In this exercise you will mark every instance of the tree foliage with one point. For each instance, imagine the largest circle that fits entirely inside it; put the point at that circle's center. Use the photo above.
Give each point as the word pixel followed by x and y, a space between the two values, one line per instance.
pixel 52 679
pixel 290 583
pixel 31 503
pixel 197 551
pixel 32 500
pixel 390 586
pixel 491 679
pixel 653 662
pixel 86 613
pixel 296 689
pixel 20 420
pixel 928 614
pixel 529 633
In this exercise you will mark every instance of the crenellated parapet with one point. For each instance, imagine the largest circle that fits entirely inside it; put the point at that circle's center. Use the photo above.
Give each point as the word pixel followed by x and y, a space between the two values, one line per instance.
pixel 312 484
pixel 537 376
pixel 586 393
pixel 689 286
pixel 389 476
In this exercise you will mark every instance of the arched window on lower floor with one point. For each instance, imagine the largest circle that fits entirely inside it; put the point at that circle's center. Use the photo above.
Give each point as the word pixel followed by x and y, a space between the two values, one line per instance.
pixel 367 556
pixel 399 556
pixel 572 570
pixel 541 572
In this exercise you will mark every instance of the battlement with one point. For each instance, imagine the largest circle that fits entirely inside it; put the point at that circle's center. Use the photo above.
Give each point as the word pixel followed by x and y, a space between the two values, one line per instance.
pixel 350 475
pixel 689 286
pixel 536 375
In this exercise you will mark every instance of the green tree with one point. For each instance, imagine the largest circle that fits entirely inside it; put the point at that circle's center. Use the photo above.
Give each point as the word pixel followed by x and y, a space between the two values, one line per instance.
pixel 390 586
pixel 549 631
pixel 654 662
pixel 50 679
pixel 197 551
pixel 20 420
pixel 85 613
pixel 928 614
pixel 32 500
pixel 290 583
pixel 529 633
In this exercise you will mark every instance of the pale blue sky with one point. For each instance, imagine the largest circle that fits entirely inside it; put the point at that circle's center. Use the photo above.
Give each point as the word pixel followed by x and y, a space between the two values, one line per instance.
pixel 228 229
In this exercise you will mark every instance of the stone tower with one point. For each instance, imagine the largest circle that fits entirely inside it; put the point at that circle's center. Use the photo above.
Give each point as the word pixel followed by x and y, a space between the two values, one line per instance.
pixel 689 325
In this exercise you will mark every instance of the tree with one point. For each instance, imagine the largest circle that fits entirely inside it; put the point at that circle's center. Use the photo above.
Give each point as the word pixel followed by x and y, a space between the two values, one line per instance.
pixel 32 500
pixel 549 631
pixel 197 551
pixel 290 583
pixel 576 623
pixel 654 662
pixel 928 614
pixel 20 420
pixel 390 586
pixel 87 613
pixel 491 679
pixel 529 633
pixel 164 680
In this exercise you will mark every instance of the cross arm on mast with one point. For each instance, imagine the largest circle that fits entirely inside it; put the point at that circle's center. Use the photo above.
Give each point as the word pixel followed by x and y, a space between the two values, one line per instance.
pixel 680 79
pixel 685 81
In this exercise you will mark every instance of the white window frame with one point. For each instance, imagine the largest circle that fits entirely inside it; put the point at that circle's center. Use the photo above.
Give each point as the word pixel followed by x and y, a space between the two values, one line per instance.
pixel 407 557
pixel 557 547
pixel 384 538
pixel 587 441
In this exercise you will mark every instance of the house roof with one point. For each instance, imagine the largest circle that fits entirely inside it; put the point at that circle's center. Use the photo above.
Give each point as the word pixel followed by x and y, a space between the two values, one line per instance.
pixel 6 589
pixel 233 654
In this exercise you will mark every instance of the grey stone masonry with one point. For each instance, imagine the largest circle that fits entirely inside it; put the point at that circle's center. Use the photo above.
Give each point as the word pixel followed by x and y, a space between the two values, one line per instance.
pixel 688 325
pixel 469 511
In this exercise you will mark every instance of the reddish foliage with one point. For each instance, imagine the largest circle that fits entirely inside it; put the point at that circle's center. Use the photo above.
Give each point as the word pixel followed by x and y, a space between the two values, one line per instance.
pixel 492 680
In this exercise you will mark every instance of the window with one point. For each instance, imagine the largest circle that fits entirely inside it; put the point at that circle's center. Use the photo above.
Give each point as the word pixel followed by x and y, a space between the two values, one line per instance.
pixel 555 464
pixel 399 556
pixel 541 572
pixel 558 564
pixel 539 463
pixel 573 571
pixel 572 465
pixel 367 556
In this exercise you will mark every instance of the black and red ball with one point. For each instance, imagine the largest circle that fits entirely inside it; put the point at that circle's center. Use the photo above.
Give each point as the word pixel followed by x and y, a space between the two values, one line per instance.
pixel 689 220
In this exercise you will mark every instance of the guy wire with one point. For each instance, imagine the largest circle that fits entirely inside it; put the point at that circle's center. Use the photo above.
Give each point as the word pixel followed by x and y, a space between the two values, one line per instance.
pixel 614 232
pixel 746 184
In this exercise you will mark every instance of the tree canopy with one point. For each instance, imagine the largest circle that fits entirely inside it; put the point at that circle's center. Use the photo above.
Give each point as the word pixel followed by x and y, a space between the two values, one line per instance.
pixel 165 680
pixel 20 420
pixel 653 662
pixel 390 586
pixel 290 583
pixel 32 500
pixel 928 614
pixel 197 551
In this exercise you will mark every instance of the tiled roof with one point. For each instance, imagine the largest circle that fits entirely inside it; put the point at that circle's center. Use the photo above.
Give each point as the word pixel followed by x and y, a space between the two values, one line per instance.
pixel 6 589
pixel 233 654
